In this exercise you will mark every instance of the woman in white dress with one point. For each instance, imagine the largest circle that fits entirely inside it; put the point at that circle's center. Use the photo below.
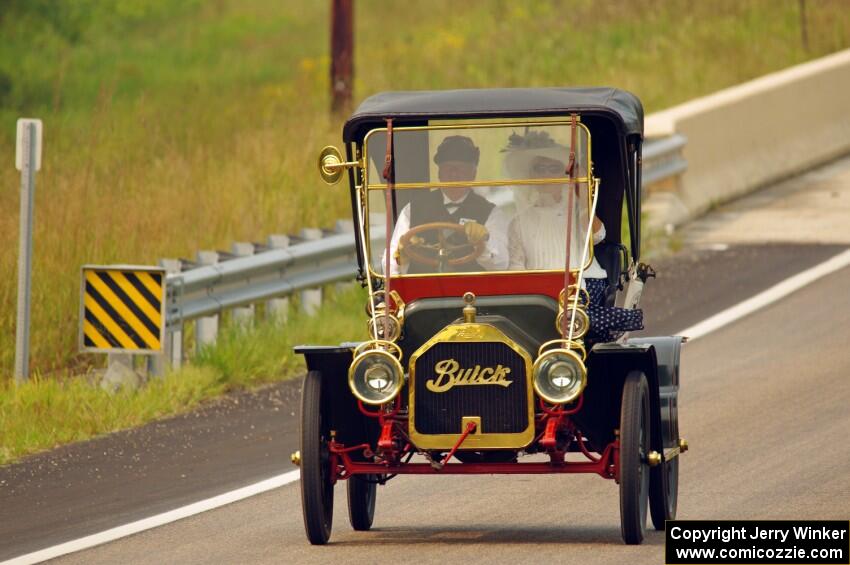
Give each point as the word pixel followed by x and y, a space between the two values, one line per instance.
pixel 537 234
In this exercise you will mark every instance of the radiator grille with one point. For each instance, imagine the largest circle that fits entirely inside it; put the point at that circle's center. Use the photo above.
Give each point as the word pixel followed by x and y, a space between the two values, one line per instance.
pixel 502 409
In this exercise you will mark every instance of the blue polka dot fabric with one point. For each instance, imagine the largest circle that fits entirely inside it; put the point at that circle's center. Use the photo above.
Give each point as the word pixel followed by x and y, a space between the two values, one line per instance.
pixel 608 323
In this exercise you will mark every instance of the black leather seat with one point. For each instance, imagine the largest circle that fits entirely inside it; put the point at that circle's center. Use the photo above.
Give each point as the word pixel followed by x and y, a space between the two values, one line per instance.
pixel 612 257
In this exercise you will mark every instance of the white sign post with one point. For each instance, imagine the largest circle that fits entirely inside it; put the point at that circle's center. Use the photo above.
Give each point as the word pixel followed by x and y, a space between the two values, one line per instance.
pixel 28 161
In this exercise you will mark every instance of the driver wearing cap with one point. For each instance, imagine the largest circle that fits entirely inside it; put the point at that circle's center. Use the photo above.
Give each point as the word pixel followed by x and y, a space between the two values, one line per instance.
pixel 457 161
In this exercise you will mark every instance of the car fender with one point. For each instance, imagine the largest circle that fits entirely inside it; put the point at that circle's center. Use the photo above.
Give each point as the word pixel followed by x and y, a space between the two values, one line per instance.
pixel 667 353
pixel 339 406
pixel 608 365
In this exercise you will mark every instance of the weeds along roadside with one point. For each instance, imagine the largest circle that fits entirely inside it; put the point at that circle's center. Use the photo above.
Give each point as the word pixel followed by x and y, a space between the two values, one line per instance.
pixel 47 412
pixel 177 126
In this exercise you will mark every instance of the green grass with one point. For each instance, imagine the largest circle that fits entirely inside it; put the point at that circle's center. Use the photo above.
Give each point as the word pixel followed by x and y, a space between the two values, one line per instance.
pixel 46 412
pixel 178 125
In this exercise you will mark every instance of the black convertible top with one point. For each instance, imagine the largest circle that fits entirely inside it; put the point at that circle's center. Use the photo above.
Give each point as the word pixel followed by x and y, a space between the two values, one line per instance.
pixel 621 107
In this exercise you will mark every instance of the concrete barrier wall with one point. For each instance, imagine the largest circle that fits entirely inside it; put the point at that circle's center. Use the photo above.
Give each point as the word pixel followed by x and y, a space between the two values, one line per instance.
pixel 747 136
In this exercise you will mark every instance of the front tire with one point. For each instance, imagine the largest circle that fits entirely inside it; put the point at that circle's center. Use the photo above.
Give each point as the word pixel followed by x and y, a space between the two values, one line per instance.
pixel 362 491
pixel 317 490
pixel 634 446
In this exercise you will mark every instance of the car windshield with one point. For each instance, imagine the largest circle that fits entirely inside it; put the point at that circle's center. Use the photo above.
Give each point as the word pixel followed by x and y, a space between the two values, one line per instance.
pixel 481 199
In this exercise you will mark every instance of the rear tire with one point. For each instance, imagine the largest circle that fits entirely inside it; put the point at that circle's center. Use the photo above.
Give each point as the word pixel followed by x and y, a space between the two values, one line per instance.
pixel 634 446
pixel 317 490
pixel 362 492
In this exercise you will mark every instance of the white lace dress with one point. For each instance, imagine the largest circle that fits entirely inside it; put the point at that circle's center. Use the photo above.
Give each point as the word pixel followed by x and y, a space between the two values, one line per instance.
pixel 537 241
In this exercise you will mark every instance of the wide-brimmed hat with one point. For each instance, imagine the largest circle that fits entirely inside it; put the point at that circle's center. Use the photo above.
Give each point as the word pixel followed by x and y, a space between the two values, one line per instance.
pixel 523 149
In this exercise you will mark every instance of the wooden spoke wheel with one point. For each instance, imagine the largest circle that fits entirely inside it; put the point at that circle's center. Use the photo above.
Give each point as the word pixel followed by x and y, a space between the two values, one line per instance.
pixel 634 447
pixel 362 491
pixel 317 488
pixel 416 249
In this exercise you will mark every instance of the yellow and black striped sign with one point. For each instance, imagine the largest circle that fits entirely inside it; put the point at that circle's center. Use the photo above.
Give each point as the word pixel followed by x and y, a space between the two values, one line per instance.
pixel 123 309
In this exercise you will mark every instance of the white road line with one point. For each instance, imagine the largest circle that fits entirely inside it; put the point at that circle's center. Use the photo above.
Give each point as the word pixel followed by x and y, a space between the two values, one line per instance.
pixel 701 329
pixel 767 297
pixel 155 521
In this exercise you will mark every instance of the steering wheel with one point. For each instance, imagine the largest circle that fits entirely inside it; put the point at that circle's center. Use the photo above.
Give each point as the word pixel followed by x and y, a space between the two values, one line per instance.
pixel 413 246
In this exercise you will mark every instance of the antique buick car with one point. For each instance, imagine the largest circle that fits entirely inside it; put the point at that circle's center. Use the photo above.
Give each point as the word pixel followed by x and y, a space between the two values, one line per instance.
pixel 498 235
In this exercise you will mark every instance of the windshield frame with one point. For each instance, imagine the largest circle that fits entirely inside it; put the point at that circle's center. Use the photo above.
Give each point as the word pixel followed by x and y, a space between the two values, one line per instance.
pixel 591 182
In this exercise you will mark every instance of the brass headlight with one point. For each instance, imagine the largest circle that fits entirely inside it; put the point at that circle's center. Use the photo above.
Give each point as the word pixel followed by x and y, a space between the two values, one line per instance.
pixel 580 326
pixel 559 376
pixel 375 376
pixel 388 322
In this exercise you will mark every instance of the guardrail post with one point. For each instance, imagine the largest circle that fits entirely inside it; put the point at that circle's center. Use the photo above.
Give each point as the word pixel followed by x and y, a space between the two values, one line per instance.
pixel 277 309
pixel 244 315
pixel 311 299
pixel 343 226
pixel 172 347
pixel 206 329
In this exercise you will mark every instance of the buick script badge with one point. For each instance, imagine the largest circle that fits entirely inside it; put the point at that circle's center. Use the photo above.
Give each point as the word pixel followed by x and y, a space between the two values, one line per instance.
pixel 450 374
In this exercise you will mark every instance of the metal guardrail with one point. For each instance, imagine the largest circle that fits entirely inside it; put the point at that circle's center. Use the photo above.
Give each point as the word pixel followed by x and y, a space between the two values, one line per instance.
pixel 255 273
pixel 662 159
pixel 241 281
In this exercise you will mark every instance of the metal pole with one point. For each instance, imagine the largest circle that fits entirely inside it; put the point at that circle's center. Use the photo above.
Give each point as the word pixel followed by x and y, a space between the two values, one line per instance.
pixel 244 315
pixel 342 53
pixel 22 337
pixel 804 27
pixel 206 328
pixel 344 226
pixel 311 298
pixel 277 309
pixel 172 348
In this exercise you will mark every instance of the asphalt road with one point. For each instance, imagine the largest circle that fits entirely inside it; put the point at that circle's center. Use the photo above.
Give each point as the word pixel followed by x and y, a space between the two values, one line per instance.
pixel 763 405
